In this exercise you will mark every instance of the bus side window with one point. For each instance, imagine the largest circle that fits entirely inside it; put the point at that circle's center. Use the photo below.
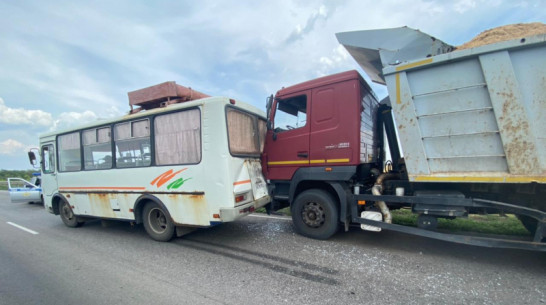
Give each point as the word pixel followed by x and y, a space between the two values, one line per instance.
pixel 178 138
pixel 69 152
pixel 132 141
pixel 97 150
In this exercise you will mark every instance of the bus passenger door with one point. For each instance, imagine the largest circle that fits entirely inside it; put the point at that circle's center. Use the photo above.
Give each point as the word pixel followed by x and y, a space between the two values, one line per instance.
pixel 49 173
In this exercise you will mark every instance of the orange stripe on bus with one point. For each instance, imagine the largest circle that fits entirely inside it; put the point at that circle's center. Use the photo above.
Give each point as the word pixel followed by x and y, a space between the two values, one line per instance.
pixel 102 188
pixel 241 182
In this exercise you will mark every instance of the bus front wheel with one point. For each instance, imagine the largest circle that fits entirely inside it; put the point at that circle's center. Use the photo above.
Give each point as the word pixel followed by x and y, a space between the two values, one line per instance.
pixel 67 215
pixel 157 223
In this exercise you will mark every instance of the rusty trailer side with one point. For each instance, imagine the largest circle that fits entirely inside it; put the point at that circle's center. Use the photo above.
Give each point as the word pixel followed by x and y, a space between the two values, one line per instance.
pixel 475 115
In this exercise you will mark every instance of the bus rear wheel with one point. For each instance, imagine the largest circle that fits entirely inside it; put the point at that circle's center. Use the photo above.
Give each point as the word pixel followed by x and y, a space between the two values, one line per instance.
pixel 67 215
pixel 315 214
pixel 157 223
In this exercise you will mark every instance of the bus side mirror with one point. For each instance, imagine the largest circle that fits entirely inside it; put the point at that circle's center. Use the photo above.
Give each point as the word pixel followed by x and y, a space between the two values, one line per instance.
pixel 32 157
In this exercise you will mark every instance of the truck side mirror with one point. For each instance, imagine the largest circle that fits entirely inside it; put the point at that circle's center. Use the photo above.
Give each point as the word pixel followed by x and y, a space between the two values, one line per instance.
pixel 268 104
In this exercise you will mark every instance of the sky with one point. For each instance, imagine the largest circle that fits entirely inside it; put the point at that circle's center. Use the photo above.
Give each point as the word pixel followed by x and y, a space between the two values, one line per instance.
pixel 65 63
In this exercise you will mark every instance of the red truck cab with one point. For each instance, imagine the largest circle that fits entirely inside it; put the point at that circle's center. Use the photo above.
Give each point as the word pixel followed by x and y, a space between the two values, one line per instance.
pixel 323 122
pixel 321 134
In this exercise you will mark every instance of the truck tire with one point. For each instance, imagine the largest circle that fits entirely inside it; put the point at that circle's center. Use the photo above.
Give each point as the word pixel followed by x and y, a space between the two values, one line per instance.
pixel 67 215
pixel 315 214
pixel 157 223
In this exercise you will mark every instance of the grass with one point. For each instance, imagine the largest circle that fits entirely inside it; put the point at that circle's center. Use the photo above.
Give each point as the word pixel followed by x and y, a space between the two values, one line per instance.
pixel 485 224
pixel 3 185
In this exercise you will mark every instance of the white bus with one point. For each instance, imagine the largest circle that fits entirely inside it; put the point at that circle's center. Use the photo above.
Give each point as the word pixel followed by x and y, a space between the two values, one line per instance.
pixel 188 165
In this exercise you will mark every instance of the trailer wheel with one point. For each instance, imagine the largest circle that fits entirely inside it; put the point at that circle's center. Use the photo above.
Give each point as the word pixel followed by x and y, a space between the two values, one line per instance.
pixel 157 223
pixel 315 214
pixel 67 215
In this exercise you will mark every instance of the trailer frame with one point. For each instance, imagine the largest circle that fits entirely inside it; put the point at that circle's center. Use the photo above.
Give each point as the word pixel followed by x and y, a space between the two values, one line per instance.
pixel 491 241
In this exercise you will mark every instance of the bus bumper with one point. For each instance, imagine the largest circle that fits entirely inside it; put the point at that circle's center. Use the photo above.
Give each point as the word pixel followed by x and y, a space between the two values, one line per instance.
pixel 231 214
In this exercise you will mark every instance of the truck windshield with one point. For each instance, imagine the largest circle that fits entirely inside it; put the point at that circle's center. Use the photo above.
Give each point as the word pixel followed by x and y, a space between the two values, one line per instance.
pixel 246 133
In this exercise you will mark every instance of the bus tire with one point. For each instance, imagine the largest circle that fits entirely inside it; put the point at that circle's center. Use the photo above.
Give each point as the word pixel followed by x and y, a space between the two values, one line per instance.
pixel 67 215
pixel 157 223
pixel 315 214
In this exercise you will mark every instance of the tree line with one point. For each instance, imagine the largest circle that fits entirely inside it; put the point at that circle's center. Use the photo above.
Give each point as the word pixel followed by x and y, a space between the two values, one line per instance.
pixel 25 174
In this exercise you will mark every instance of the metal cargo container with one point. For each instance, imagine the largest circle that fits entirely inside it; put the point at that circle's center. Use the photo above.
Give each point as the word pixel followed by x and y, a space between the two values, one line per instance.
pixel 473 115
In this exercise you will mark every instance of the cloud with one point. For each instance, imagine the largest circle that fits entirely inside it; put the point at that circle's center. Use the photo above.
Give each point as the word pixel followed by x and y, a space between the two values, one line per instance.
pixel 337 59
pixel 321 14
pixel 12 147
pixel 75 62
pixel 21 116
pixel 70 119
pixel 39 118
pixel 462 6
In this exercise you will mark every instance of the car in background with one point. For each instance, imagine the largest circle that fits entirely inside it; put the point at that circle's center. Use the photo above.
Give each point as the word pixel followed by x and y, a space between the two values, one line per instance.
pixel 21 190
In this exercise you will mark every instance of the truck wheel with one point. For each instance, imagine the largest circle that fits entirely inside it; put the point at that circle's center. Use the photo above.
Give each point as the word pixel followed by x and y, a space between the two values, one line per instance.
pixel 67 215
pixel 157 223
pixel 315 214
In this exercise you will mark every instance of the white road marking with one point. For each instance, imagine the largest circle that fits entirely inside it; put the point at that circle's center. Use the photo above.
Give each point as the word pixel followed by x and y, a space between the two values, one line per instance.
pixel 22 228
pixel 271 217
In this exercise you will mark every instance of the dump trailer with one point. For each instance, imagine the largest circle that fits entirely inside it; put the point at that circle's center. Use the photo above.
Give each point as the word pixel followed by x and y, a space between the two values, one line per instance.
pixel 465 129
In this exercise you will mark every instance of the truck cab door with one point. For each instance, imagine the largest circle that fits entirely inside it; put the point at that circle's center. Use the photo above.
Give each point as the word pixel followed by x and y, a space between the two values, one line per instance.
pixel 287 141
pixel 21 190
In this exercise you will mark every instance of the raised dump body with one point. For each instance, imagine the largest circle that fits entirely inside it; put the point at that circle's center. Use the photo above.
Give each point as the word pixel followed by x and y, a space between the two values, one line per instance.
pixel 474 115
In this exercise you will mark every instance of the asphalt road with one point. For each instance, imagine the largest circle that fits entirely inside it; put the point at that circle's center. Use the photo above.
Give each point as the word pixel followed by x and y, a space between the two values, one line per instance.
pixel 256 260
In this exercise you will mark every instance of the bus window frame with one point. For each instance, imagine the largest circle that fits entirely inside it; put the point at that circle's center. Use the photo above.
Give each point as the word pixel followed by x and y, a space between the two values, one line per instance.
pixel 152 143
pixel 151 119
